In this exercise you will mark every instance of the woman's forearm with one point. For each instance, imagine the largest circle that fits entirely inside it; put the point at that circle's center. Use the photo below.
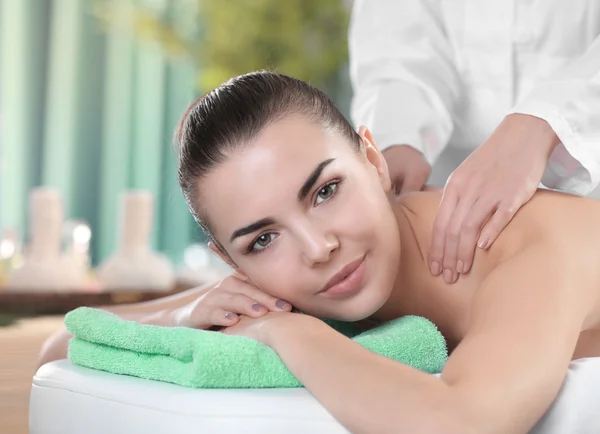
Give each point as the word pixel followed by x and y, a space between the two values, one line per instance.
pixel 366 392
pixel 156 312
pixel 56 346
pixel 139 311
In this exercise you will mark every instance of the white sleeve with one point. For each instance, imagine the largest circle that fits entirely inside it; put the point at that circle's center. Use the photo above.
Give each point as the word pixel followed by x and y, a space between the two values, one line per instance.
pixel 403 76
pixel 570 102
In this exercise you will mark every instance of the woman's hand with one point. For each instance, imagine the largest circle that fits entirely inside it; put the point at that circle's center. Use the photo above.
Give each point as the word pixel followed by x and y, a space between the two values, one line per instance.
pixel 484 193
pixel 259 328
pixel 223 304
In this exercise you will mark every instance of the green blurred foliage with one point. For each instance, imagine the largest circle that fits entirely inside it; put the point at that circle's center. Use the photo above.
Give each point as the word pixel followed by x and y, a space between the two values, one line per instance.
pixel 303 38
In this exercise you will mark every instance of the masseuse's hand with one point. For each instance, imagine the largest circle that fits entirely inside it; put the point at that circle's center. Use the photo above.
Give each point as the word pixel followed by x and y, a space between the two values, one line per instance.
pixel 484 193
pixel 409 170
pixel 223 304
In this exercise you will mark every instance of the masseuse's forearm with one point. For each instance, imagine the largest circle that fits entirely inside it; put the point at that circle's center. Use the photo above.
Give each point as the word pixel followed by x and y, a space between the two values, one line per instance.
pixel 366 392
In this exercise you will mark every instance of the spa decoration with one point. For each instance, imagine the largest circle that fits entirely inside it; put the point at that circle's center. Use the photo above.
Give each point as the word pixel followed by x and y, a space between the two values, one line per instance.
pixel 44 266
pixel 134 266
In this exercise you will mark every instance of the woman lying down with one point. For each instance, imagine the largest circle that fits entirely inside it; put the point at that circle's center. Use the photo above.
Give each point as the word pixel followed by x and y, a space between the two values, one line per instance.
pixel 297 202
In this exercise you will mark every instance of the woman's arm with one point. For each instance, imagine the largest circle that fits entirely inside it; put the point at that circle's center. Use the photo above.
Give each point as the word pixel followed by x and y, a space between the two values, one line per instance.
pixel 149 312
pixel 213 304
pixel 525 323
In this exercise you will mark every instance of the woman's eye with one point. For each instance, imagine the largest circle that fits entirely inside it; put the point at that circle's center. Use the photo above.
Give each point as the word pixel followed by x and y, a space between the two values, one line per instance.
pixel 262 241
pixel 326 192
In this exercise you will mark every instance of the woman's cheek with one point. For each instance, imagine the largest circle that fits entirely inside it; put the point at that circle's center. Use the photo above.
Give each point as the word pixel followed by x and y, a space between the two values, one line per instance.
pixel 276 282
pixel 362 215
pixel 352 211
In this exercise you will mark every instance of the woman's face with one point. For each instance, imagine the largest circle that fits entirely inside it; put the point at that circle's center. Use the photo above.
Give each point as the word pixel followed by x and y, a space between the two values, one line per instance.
pixel 297 209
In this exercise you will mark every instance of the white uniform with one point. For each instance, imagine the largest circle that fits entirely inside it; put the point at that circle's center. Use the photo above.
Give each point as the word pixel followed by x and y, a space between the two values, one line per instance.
pixel 441 76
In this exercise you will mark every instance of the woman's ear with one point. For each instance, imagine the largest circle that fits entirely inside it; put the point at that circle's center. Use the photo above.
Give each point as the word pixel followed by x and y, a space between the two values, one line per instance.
pixel 375 158
pixel 225 257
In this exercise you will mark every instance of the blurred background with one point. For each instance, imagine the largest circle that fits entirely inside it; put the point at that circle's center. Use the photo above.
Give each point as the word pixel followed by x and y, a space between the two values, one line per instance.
pixel 90 94
pixel 91 90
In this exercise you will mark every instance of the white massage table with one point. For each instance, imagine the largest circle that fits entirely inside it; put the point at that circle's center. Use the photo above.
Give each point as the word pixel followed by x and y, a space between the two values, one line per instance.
pixel 69 399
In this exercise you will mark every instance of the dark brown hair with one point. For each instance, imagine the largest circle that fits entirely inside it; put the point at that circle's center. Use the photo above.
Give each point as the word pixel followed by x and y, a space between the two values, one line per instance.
pixel 231 115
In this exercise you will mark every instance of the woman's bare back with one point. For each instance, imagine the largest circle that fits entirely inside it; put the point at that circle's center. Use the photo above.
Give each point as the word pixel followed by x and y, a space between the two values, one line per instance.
pixel 564 222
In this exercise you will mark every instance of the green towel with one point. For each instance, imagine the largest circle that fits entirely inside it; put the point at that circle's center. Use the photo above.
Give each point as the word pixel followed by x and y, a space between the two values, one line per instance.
pixel 207 359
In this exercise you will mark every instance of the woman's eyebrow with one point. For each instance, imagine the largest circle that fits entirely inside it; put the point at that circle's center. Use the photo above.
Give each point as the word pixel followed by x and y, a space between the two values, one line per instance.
pixel 312 178
pixel 302 193
pixel 253 227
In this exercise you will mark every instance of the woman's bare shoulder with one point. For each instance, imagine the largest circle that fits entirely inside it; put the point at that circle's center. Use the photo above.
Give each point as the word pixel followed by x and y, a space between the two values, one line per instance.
pixel 568 226
pixel 423 203
pixel 552 218
pixel 562 218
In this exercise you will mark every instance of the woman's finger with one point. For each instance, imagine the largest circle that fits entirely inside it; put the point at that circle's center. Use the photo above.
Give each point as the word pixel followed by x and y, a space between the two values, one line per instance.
pixel 220 318
pixel 200 316
pixel 223 309
pixel 274 304
pixel 238 303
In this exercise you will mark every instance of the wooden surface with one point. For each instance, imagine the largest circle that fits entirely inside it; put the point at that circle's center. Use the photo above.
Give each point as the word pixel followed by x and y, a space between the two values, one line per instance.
pixel 20 342
pixel 59 303
pixel 19 348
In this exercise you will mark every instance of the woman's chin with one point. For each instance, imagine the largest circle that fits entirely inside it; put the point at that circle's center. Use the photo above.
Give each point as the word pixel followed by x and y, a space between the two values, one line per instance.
pixel 359 309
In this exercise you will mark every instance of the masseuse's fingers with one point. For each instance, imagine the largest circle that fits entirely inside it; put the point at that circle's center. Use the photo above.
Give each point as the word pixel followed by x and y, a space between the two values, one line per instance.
pixel 480 213
pixel 440 225
pixel 408 168
pixel 502 217
pixel 454 235
pixel 411 182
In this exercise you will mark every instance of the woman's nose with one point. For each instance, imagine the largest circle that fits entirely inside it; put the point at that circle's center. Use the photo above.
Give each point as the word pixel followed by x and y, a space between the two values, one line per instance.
pixel 318 247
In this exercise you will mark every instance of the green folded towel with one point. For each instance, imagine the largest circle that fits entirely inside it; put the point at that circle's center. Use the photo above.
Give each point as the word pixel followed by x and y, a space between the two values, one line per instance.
pixel 207 359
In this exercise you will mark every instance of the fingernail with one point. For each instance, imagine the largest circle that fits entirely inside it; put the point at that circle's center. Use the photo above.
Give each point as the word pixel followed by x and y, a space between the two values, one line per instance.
pixel 448 276
pixel 230 316
pixel 434 268
pixel 258 307
pixel 483 243
pixel 460 267
pixel 281 304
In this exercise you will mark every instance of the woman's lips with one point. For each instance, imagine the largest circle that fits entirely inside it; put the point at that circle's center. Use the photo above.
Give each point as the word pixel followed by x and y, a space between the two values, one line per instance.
pixel 346 281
